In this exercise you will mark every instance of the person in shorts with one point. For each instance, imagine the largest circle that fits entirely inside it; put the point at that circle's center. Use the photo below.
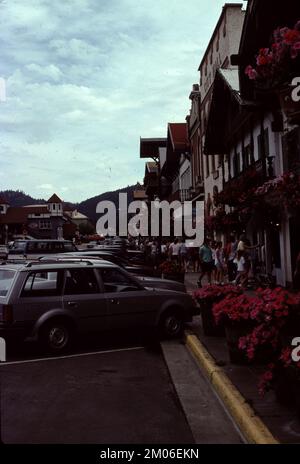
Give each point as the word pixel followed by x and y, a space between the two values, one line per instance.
pixel 206 262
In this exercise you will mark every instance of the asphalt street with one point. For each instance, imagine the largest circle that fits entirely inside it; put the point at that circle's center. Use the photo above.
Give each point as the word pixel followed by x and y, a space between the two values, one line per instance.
pixel 114 390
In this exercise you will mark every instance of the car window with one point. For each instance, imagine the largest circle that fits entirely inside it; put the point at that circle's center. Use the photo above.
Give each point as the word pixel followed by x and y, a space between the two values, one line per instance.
pixel 68 246
pixel 56 247
pixel 80 282
pixel 43 284
pixel 6 280
pixel 116 281
pixel 37 247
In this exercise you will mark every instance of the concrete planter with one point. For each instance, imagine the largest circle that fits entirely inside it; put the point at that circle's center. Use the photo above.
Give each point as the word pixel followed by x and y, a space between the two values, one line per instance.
pixel 209 325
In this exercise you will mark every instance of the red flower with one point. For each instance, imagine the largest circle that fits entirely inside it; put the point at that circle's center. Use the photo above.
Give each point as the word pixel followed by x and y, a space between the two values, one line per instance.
pixel 272 64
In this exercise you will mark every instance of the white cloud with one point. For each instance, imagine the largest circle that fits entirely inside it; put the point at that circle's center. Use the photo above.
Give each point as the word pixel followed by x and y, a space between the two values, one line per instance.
pixel 86 79
pixel 45 187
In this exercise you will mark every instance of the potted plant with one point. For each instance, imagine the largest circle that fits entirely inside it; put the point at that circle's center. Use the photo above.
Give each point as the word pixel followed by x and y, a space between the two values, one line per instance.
pixel 172 270
pixel 236 313
pixel 206 297
pixel 255 324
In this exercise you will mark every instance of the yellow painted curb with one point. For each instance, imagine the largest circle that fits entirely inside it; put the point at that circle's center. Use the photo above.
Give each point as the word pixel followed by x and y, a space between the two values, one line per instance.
pixel 250 425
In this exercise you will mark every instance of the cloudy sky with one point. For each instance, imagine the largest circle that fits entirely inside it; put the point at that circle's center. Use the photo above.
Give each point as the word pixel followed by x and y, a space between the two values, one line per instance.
pixel 85 79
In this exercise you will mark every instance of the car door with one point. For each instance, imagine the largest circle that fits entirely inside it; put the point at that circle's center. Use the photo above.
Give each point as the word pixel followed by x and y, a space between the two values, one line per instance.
pixel 129 304
pixel 40 292
pixel 84 297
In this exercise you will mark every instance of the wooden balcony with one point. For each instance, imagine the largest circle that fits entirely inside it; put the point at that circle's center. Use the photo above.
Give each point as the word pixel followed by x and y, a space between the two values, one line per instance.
pixel 238 186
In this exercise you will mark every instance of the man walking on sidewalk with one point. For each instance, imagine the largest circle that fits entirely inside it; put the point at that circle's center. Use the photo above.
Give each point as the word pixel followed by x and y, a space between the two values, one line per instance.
pixel 206 262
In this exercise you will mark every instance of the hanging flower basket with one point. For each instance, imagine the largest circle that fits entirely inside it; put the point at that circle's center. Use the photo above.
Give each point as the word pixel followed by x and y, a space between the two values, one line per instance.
pixel 277 64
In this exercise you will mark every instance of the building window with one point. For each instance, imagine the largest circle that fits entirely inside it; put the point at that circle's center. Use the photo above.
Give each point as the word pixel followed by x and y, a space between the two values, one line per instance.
pixel 263 146
pixel 247 156
pixel 236 165
pixel 213 163
pixel 266 142
pixel 59 207
pixel 1 208
pixel 53 206
pixel 207 165
pixel 45 225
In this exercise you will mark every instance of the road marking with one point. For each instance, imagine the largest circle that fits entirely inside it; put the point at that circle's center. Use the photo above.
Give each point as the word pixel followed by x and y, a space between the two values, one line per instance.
pixel 92 353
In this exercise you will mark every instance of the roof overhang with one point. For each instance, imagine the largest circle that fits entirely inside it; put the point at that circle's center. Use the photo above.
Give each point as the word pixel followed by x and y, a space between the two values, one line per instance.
pixel 149 148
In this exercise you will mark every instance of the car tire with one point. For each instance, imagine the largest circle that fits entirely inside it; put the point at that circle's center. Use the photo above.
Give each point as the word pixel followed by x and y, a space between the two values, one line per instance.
pixel 56 336
pixel 171 324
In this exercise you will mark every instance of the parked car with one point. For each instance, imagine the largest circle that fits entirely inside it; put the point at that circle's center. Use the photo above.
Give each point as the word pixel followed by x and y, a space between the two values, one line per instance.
pixel 37 248
pixel 3 251
pixel 83 297
pixel 138 269
pixel 147 281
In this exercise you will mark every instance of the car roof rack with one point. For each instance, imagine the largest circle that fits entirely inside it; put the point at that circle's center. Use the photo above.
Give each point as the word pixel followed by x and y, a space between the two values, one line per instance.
pixel 57 260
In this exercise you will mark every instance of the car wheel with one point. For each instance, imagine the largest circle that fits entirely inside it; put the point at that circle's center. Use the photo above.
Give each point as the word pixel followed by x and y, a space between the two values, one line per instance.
pixel 171 324
pixel 56 336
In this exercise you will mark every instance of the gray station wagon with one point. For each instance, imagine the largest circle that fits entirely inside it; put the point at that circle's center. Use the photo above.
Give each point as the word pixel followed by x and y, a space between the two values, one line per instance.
pixel 55 302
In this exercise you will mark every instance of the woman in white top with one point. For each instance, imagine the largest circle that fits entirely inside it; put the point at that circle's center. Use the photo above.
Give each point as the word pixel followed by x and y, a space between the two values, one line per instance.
pixel 174 249
pixel 242 269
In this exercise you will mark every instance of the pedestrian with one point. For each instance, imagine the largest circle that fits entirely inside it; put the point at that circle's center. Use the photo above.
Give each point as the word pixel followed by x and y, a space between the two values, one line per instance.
pixel 154 253
pixel 174 250
pixel 206 262
pixel 164 250
pixel 231 252
pixel 297 273
pixel 214 269
pixel 242 269
pixel 183 254
pixel 219 263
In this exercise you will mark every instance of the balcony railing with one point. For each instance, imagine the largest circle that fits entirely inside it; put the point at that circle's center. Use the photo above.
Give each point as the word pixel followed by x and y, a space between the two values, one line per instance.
pixel 239 186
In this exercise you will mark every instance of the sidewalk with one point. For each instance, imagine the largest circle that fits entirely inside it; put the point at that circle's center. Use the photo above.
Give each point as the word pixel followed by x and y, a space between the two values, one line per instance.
pixel 281 421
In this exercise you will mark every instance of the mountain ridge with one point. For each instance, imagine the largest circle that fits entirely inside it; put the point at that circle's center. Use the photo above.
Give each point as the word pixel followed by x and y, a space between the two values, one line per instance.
pixel 87 207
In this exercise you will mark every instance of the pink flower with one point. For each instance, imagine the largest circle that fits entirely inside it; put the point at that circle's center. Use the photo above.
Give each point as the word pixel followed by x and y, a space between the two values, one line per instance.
pixel 251 73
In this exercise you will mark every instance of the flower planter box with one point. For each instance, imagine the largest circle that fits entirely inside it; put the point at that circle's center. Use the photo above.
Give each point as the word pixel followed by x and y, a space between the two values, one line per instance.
pixel 209 325
pixel 177 277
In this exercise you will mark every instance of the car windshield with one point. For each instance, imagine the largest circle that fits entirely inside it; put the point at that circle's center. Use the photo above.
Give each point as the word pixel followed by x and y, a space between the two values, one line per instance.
pixel 6 280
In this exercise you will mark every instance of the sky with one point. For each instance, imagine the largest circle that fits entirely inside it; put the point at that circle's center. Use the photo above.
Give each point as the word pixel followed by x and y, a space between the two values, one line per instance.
pixel 85 79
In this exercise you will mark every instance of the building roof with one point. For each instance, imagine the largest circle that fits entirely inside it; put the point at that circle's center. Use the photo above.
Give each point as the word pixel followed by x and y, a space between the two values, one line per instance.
pixel 54 199
pixel 177 132
pixel 140 194
pixel 149 148
pixel 19 214
pixel 77 215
